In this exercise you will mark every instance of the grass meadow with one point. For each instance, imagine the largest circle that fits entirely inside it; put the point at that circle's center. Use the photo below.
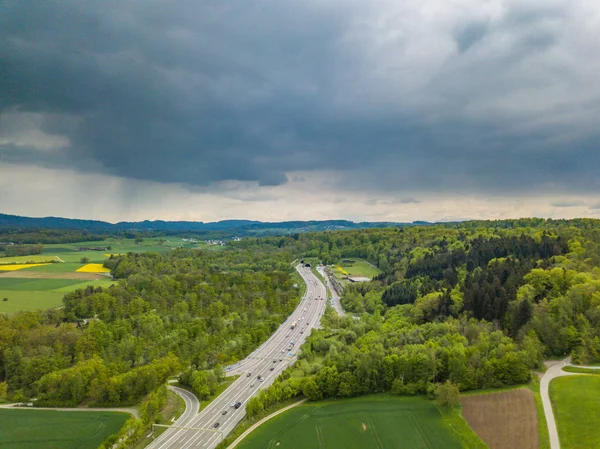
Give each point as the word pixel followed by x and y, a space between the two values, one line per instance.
pixel 576 405
pixel 355 267
pixel 48 429
pixel 378 421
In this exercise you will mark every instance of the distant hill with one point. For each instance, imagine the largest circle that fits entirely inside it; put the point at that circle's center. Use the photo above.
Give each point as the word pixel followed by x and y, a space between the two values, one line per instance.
pixel 221 228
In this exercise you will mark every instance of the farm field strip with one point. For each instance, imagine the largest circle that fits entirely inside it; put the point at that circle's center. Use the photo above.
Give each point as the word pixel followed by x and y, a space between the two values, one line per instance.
pixel 503 420
pixel 47 429
pixel 29 300
pixel 371 421
pixel 44 258
pixel 93 268
pixel 22 266
pixel 576 405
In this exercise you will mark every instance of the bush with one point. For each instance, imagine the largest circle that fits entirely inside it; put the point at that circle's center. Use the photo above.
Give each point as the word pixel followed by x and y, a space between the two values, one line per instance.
pixel 447 394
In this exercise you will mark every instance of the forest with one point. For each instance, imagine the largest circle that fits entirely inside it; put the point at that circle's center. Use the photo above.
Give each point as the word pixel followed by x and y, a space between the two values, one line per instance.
pixel 114 346
pixel 476 305
pixel 469 306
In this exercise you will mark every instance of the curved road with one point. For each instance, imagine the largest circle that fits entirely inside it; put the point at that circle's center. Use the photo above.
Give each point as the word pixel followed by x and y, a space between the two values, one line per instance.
pixel 554 371
pixel 196 430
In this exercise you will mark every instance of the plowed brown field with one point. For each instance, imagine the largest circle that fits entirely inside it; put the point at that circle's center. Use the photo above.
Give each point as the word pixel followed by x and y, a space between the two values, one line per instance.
pixel 506 420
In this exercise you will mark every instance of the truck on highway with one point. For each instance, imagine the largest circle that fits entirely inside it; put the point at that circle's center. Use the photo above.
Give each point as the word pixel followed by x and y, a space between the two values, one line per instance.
pixel 294 325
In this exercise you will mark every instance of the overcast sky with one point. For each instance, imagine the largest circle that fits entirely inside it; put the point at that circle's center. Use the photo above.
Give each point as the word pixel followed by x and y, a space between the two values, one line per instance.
pixel 394 110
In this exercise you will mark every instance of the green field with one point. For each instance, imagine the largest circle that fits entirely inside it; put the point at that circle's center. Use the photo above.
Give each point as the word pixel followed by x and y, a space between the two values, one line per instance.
pixel 576 404
pixel 358 267
pixel 29 300
pixel 39 294
pixel 378 421
pixel 47 429
pixel 38 258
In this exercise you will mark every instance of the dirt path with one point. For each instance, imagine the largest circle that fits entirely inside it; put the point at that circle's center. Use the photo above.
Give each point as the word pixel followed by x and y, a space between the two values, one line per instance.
pixel 265 419
pixel 131 411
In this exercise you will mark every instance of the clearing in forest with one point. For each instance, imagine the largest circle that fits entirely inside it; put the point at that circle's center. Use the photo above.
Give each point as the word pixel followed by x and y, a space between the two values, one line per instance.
pixel 355 267
pixel 576 405
pixel 49 429
pixel 367 422
pixel 504 420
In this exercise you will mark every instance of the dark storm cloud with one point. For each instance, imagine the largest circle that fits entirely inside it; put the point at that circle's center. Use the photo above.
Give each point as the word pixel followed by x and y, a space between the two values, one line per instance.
pixel 199 92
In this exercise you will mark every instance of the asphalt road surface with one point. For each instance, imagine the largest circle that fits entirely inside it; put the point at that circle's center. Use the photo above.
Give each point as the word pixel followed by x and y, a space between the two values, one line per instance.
pixel 335 298
pixel 196 430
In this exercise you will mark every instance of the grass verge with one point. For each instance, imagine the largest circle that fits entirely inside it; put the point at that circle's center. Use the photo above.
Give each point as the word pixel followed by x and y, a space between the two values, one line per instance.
pixel 576 404
pixel 454 420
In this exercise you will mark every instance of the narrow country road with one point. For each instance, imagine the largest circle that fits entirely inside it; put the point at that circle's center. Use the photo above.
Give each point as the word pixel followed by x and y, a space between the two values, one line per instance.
pixel 553 371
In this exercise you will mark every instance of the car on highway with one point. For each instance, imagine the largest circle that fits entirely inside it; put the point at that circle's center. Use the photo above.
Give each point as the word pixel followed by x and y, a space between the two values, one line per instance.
pixel 224 412
pixel 249 374
pixel 216 425
pixel 238 404
pixel 271 369
pixel 301 332
pixel 274 361
pixel 261 379
pixel 252 386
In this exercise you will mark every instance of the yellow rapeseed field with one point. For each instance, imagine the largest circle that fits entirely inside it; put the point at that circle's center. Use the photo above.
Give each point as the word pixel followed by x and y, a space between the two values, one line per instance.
pixel 93 268
pixel 341 270
pixel 115 255
pixel 20 266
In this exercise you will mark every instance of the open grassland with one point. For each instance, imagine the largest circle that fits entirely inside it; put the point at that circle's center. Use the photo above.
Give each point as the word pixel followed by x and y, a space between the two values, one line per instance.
pixel 379 421
pixel 29 259
pixel 355 267
pixel 23 284
pixel 93 268
pixel 16 267
pixel 504 420
pixel 47 429
pixel 29 300
pixel 576 404
pixel 39 294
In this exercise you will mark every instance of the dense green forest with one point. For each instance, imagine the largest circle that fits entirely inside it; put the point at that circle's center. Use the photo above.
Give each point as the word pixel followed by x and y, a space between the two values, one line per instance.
pixel 114 346
pixel 479 304
pixel 471 305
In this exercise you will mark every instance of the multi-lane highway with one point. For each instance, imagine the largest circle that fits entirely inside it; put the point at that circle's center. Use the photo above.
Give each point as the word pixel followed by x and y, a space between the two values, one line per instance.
pixel 200 430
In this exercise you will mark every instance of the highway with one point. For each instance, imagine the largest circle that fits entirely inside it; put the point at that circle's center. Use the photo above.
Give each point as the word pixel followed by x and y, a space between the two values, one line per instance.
pixel 196 430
